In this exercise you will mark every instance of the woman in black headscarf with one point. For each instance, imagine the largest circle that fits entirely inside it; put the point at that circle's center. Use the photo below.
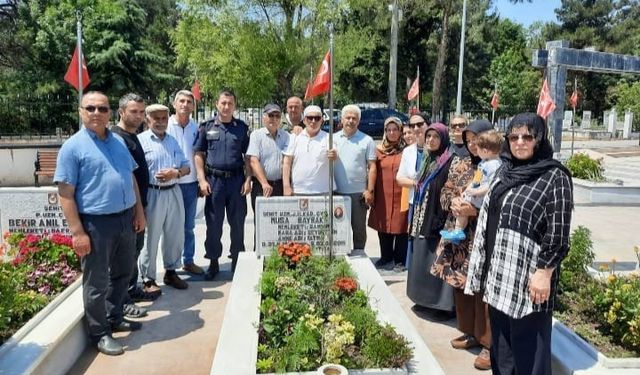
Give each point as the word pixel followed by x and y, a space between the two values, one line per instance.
pixel 521 238
pixel 424 289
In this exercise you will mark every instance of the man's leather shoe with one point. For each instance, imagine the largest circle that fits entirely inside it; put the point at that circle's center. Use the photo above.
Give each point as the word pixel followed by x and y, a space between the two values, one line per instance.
pixel 193 268
pixel 171 278
pixel 213 270
pixel 483 360
pixel 152 288
pixel 464 342
pixel 107 345
pixel 126 326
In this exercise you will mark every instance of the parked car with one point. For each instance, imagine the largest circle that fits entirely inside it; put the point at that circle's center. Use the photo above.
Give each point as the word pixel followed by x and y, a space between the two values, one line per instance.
pixel 371 120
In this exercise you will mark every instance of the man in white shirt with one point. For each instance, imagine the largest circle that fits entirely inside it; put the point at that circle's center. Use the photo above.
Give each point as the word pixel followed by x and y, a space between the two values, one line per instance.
pixel 305 168
pixel 185 130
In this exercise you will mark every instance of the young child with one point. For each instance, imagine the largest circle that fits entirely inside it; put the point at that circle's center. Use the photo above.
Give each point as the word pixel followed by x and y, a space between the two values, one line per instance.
pixel 488 144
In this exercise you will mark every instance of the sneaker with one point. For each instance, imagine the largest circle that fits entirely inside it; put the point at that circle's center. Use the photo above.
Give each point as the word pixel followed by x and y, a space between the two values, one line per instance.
pixel 140 295
pixel 458 235
pixel 132 311
pixel 150 287
pixel 464 342
pixel 171 278
pixel 193 269
pixel 483 360
pixel 399 267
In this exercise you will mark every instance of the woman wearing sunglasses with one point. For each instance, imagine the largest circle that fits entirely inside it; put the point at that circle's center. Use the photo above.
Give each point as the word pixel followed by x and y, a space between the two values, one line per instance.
pixel 521 238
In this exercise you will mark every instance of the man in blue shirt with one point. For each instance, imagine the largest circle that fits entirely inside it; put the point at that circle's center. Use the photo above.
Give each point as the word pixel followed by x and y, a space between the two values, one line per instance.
pixel 355 171
pixel 220 165
pixel 100 200
pixel 165 208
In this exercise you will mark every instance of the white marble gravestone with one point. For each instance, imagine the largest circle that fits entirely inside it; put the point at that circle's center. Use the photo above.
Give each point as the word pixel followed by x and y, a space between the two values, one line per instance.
pixel 567 121
pixel 31 210
pixel 612 121
pixel 586 120
pixel 628 124
pixel 303 219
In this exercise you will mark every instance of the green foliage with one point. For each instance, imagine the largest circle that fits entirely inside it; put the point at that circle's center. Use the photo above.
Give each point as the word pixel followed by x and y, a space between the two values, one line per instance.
pixel 619 304
pixel 626 96
pixel 309 318
pixel 584 167
pixel 574 267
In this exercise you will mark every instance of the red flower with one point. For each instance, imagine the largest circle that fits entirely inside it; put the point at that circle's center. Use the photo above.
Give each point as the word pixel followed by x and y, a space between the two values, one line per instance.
pixel 346 284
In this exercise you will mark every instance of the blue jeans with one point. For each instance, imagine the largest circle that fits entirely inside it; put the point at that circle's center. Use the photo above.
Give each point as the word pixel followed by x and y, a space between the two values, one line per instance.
pixel 190 198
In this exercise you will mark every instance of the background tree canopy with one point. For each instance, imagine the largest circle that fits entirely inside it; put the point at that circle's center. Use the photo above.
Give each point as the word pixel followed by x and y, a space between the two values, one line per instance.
pixel 267 50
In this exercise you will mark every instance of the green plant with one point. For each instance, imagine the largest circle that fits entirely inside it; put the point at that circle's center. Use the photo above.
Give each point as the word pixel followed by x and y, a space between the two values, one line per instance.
pixel 580 256
pixel 312 312
pixel 584 167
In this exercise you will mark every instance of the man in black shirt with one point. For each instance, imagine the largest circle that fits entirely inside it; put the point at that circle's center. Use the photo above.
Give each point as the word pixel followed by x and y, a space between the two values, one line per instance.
pixel 131 112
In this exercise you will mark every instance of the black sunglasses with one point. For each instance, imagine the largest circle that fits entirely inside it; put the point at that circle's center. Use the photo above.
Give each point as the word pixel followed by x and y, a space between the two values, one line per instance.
pixel 93 108
pixel 314 118
pixel 525 137
pixel 275 115
pixel 418 124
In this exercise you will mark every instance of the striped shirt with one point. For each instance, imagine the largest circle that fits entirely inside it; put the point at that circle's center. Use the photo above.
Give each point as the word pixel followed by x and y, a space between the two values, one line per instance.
pixel 268 150
pixel 533 233
pixel 161 153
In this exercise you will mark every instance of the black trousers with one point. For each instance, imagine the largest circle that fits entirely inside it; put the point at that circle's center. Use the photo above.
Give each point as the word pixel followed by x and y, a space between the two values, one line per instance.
pixel 520 346
pixel 393 247
pixel 106 270
pixel 133 281
pixel 256 191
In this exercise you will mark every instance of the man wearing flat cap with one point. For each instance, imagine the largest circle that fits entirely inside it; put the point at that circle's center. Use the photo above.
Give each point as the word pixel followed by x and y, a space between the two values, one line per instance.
pixel 165 207
pixel 266 146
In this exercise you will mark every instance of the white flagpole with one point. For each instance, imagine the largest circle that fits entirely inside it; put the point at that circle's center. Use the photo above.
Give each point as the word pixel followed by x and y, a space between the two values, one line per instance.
pixel 573 120
pixel 418 78
pixel 493 110
pixel 80 60
pixel 331 142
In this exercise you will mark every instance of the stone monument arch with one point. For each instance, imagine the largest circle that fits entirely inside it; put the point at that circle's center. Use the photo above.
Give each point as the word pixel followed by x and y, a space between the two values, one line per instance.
pixel 557 58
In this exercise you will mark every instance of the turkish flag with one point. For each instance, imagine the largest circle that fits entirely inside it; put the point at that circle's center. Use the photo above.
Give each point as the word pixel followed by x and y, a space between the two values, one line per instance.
pixel 195 90
pixel 322 82
pixel 574 99
pixel 545 103
pixel 414 90
pixel 72 72
pixel 495 100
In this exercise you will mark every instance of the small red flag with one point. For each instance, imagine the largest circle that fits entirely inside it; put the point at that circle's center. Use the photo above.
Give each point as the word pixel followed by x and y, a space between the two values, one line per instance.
pixel 495 100
pixel 322 82
pixel 414 90
pixel 574 99
pixel 195 90
pixel 72 72
pixel 545 103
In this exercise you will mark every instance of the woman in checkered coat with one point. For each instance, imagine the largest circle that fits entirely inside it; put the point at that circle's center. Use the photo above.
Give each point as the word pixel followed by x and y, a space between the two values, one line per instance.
pixel 521 238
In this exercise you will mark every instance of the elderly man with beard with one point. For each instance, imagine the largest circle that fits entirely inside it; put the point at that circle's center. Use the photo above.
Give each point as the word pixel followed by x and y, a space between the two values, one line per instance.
pixel 165 208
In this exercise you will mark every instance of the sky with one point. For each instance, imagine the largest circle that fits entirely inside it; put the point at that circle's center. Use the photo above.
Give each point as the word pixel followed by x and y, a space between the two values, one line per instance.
pixel 526 13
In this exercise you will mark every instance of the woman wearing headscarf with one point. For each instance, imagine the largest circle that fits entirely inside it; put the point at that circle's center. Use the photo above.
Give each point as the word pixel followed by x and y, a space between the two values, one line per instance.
pixel 521 238
pixel 452 259
pixel 424 289
pixel 386 216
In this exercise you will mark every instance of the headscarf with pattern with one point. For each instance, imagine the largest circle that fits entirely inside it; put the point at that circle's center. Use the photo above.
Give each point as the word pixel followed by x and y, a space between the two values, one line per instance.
pixel 390 148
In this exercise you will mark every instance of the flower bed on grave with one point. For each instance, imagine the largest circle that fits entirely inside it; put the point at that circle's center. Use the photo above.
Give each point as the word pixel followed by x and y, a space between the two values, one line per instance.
pixel 604 311
pixel 312 313
pixel 33 271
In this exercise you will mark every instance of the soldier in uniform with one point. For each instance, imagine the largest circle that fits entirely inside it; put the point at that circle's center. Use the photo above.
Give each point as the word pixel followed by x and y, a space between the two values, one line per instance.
pixel 224 178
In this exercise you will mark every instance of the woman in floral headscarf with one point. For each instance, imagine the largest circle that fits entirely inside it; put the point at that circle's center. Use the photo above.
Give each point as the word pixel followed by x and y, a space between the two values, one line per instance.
pixel 424 289
pixel 386 216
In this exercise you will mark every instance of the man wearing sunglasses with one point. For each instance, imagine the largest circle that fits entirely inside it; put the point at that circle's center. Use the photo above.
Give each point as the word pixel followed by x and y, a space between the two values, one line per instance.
pixel 101 202
pixel 305 169
pixel 266 146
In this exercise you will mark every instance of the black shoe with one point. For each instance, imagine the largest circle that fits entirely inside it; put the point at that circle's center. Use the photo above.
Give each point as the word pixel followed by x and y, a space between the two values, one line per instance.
pixel 234 262
pixel 139 295
pixel 107 345
pixel 214 269
pixel 382 263
pixel 126 326
pixel 171 278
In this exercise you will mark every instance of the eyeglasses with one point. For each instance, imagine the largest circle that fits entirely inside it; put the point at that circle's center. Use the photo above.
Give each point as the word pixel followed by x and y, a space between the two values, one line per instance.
pixel 314 118
pixel 275 115
pixel 93 108
pixel 524 137
pixel 418 124
pixel 458 125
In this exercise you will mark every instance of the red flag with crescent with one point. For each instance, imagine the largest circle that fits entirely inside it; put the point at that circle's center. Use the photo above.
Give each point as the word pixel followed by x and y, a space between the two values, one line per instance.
pixel 495 100
pixel 574 99
pixel 72 72
pixel 322 83
pixel 195 90
pixel 545 103
pixel 414 90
